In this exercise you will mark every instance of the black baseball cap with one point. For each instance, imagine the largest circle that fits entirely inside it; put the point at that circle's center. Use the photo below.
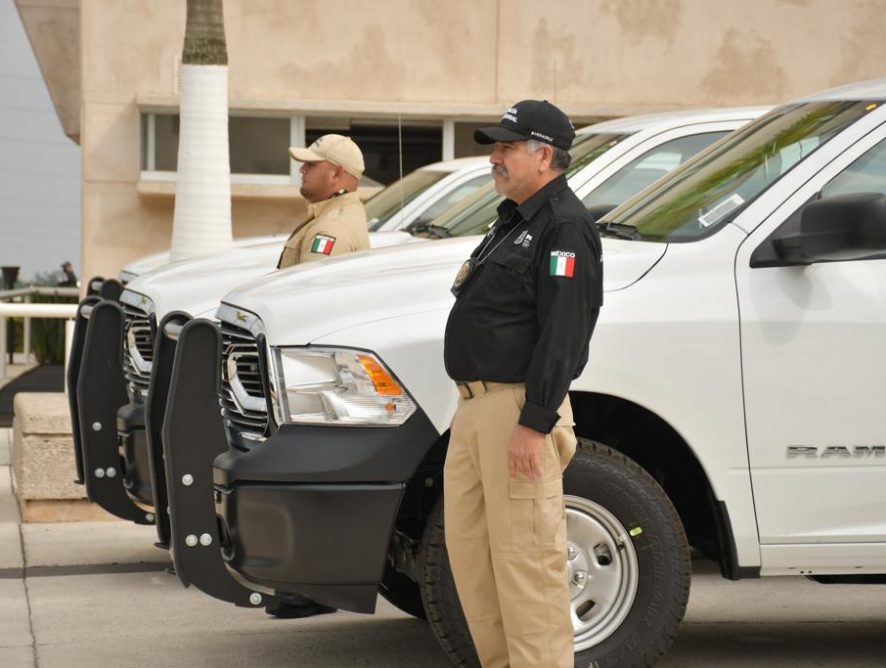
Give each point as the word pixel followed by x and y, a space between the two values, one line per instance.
pixel 530 119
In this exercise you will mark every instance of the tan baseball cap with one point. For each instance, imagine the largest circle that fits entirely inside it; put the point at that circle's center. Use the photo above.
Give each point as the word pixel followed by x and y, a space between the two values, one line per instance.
pixel 337 149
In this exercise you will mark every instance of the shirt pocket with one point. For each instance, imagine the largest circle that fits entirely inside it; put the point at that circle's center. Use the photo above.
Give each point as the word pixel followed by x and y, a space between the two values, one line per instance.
pixel 510 280
pixel 289 254
pixel 513 262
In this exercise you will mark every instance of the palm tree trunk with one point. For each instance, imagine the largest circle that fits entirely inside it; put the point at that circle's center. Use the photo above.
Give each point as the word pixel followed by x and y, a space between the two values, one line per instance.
pixel 205 34
pixel 202 219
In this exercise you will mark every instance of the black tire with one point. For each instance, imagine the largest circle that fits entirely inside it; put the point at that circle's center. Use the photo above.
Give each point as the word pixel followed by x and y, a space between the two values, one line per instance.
pixel 401 592
pixel 442 607
pixel 622 487
pixel 607 487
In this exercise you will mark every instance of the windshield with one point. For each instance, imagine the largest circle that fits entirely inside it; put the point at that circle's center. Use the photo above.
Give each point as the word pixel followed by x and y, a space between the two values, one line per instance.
pixel 475 213
pixel 453 197
pixel 706 193
pixel 645 169
pixel 393 198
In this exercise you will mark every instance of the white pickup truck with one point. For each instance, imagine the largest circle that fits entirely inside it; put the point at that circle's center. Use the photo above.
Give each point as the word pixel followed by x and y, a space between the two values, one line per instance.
pixel 732 401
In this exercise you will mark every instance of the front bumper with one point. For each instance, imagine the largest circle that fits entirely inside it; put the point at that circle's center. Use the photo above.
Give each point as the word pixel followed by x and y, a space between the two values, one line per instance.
pixel 312 509
pixel 327 542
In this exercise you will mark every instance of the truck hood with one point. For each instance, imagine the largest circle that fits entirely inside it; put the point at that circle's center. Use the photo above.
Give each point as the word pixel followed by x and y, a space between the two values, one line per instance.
pixel 151 262
pixel 196 285
pixel 302 304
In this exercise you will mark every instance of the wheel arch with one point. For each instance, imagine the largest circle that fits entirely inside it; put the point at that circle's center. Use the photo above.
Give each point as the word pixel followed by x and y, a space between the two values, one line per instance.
pixel 630 428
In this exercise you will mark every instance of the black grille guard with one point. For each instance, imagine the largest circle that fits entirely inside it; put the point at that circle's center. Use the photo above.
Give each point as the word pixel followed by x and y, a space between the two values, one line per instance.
pixel 155 411
pixel 95 375
pixel 192 436
pixel 72 374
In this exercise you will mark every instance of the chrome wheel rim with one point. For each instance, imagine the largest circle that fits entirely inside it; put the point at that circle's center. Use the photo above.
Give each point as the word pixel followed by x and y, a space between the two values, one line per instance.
pixel 601 569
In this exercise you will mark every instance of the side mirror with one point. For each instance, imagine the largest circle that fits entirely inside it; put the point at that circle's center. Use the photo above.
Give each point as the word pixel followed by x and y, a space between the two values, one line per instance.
pixel 839 228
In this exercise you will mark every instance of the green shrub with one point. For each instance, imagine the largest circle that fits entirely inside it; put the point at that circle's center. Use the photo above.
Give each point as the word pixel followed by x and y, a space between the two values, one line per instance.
pixel 48 334
pixel 18 326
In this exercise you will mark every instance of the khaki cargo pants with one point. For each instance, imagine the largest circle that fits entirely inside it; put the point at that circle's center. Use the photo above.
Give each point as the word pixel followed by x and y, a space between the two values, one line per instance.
pixel 507 538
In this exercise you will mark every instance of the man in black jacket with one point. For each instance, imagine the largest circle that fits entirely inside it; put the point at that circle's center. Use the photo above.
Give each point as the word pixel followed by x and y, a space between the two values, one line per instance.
pixel 69 278
pixel 518 334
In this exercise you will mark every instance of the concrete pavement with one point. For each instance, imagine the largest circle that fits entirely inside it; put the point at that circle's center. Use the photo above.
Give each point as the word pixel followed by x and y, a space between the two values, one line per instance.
pixel 93 594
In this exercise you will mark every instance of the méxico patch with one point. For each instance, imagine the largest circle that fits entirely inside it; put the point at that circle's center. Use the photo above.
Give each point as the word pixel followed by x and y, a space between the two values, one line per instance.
pixel 322 244
pixel 562 263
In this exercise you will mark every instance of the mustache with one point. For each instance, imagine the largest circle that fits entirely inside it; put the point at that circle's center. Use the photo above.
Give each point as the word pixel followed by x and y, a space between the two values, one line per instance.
pixel 501 170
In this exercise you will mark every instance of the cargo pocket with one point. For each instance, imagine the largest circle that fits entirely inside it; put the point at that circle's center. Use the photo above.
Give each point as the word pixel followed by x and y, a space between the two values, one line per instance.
pixel 538 518
pixel 563 438
pixel 563 435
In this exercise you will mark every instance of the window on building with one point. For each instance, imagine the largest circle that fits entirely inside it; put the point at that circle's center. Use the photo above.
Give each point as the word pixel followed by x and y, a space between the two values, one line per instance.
pixel 258 145
pixel 422 143
pixel 463 143
pixel 160 150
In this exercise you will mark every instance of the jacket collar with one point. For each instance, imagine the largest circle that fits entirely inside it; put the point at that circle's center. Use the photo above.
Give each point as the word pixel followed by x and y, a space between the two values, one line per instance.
pixel 320 208
pixel 531 206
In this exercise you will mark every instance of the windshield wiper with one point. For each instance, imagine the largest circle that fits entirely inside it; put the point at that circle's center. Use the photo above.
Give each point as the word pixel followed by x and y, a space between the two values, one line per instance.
pixel 618 230
pixel 435 231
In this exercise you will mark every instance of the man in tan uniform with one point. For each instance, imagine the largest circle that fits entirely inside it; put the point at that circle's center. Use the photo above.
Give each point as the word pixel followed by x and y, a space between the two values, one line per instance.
pixel 336 223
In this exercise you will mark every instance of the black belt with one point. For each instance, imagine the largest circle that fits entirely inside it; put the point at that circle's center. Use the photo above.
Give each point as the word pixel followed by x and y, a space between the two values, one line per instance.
pixel 477 388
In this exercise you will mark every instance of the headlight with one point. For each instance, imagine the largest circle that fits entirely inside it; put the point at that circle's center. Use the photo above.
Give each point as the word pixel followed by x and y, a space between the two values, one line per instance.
pixel 335 386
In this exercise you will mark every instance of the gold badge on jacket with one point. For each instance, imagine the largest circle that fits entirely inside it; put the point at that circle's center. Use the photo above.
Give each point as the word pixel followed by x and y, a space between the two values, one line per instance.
pixel 464 273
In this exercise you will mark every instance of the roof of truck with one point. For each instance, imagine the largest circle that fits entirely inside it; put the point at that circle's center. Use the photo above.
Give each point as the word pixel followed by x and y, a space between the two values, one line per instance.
pixel 875 89
pixel 456 164
pixel 671 118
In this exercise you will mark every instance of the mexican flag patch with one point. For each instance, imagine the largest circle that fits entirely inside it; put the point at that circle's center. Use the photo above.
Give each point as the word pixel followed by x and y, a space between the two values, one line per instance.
pixel 562 263
pixel 322 244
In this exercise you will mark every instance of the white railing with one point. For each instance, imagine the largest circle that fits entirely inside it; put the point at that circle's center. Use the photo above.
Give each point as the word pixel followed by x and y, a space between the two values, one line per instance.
pixel 22 308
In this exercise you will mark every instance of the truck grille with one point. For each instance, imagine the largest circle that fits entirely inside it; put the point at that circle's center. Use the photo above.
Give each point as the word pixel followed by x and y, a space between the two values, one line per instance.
pixel 138 350
pixel 242 399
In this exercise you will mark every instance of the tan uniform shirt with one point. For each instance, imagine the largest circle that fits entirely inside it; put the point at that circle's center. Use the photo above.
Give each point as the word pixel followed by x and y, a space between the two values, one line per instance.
pixel 334 226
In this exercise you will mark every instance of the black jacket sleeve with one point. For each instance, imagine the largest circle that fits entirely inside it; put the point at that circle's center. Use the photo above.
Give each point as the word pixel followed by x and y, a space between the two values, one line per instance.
pixel 569 273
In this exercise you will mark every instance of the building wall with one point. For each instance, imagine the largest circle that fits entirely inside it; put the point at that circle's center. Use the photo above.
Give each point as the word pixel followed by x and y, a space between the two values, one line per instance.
pixel 451 59
pixel 625 55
